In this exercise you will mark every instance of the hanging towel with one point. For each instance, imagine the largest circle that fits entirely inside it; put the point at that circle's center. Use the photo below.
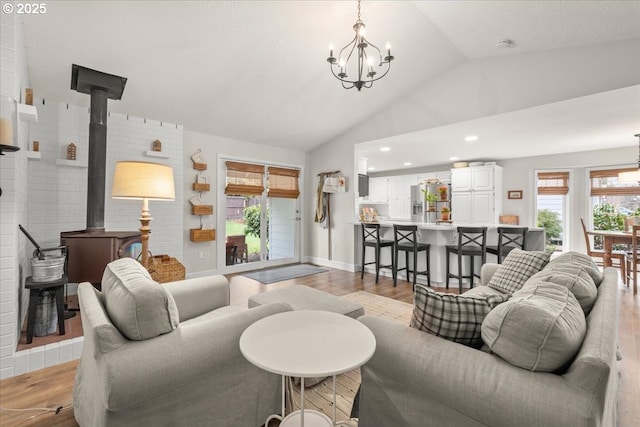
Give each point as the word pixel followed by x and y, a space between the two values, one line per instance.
pixel 321 202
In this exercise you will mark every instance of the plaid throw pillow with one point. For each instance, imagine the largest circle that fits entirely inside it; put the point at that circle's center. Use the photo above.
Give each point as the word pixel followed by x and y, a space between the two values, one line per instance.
pixel 516 269
pixel 457 318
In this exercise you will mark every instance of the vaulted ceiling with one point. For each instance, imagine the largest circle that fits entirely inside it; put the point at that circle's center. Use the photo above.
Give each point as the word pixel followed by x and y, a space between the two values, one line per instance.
pixel 256 70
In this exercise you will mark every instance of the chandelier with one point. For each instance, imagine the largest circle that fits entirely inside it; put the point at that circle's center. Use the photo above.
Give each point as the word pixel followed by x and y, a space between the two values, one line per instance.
pixel 632 176
pixel 363 62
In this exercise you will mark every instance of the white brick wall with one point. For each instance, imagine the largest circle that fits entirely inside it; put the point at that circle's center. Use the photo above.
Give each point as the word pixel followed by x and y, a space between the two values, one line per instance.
pixel 13 202
pixel 58 194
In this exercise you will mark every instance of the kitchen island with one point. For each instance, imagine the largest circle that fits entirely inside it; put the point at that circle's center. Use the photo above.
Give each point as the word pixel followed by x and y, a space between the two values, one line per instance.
pixel 438 235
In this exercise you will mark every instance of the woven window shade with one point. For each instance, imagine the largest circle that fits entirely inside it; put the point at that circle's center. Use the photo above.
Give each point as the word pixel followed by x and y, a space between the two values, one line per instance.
pixel 605 183
pixel 244 179
pixel 553 183
pixel 283 183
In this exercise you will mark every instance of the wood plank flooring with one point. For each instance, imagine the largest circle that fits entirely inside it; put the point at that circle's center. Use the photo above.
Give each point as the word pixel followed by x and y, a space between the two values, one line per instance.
pixel 51 387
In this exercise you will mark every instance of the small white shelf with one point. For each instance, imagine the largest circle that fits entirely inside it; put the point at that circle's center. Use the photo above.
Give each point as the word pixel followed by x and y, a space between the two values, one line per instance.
pixel 158 154
pixel 27 113
pixel 34 155
pixel 72 163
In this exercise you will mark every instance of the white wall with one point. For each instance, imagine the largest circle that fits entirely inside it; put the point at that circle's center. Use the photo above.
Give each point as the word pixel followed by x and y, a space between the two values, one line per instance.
pixel 212 147
pixel 13 202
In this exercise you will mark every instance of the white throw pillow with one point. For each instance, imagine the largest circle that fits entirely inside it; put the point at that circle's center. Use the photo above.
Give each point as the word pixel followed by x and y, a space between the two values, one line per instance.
pixel 541 328
pixel 516 269
pixel 137 305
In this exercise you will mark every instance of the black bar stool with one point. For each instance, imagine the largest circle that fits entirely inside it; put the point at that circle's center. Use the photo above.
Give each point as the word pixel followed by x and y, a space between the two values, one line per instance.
pixel 371 238
pixel 472 242
pixel 406 239
pixel 509 238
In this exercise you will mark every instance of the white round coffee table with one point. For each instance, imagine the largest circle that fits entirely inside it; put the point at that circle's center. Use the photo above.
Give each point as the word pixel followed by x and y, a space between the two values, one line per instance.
pixel 307 343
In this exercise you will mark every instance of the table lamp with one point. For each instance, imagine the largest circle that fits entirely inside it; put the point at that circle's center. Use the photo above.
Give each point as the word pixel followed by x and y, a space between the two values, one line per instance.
pixel 143 181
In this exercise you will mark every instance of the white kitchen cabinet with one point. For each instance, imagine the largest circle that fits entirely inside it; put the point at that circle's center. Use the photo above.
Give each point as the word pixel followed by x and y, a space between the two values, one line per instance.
pixel 378 189
pixel 476 194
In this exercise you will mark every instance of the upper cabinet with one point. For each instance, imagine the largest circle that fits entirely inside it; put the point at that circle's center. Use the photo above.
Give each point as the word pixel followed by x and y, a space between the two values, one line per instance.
pixel 476 194
pixel 478 178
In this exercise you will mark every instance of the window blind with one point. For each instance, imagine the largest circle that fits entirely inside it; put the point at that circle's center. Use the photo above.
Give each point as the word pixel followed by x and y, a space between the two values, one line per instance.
pixel 283 182
pixel 244 179
pixel 553 183
pixel 605 183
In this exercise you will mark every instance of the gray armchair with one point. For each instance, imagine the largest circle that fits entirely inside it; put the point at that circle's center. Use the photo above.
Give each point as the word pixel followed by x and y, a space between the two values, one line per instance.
pixel 192 375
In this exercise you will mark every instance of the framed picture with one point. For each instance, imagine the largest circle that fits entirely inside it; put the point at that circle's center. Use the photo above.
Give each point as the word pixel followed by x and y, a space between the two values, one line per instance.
pixel 514 194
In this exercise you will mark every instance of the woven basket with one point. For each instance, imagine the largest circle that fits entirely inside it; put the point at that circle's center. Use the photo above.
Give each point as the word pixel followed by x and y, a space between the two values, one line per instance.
pixel 164 268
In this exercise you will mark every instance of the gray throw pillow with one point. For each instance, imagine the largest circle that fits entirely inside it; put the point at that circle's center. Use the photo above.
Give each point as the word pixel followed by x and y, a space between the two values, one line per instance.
pixel 457 318
pixel 574 277
pixel 516 269
pixel 541 328
pixel 583 260
pixel 137 305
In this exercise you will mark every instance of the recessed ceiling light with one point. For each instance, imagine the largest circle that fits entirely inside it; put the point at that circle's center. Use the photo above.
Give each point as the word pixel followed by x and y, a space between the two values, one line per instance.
pixel 454 158
pixel 407 163
pixel 471 138
pixel 385 148
pixel 371 168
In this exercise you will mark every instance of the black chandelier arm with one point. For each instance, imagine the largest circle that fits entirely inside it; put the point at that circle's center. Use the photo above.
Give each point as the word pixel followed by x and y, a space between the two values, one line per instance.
pixel 354 81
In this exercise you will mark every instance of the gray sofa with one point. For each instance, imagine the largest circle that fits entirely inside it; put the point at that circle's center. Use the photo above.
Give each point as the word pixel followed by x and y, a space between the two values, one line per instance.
pixel 190 374
pixel 418 379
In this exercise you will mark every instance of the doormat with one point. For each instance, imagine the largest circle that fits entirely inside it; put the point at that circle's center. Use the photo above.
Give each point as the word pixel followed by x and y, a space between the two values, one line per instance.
pixel 279 274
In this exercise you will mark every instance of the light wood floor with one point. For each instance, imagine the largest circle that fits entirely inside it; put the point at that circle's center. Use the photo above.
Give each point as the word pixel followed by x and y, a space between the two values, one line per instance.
pixel 51 387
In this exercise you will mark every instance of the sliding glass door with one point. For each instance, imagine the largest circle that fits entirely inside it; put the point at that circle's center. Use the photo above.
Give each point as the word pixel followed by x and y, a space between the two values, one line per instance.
pixel 261 216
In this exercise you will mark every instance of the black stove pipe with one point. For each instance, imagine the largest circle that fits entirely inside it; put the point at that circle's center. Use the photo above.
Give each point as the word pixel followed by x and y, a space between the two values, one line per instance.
pixel 97 161
pixel 101 87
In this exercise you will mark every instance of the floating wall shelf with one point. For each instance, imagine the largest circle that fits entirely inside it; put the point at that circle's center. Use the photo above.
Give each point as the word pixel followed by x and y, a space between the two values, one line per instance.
pixel 158 154
pixel 27 113
pixel 34 155
pixel 72 163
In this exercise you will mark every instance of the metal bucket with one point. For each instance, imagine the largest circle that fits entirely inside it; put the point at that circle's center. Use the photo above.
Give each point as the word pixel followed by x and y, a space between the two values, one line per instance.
pixel 48 269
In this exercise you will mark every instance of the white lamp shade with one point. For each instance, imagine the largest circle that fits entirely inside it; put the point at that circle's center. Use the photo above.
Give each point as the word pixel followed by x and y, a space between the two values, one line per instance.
pixel 143 180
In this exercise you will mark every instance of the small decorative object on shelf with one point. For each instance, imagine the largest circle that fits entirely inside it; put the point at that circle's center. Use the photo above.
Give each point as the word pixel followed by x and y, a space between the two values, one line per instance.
pixel 8 120
pixel 442 190
pixel 445 211
pixel 71 151
pixel 36 145
pixel 157 145
pixel 431 199
pixel 28 96
pixel 199 163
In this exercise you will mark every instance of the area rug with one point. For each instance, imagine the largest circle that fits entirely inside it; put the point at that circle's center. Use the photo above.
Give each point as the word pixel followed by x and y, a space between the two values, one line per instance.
pixel 320 396
pixel 278 274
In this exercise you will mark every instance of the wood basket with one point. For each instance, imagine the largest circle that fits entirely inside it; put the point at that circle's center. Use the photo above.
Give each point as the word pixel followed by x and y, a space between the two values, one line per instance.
pixel 164 268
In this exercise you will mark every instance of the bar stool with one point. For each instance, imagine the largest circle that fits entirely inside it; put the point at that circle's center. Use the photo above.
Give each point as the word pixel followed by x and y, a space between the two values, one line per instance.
pixel 371 238
pixel 472 242
pixel 406 239
pixel 34 291
pixel 509 238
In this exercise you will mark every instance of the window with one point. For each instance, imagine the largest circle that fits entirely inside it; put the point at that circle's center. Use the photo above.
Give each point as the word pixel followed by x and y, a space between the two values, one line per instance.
pixel 612 201
pixel 551 204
